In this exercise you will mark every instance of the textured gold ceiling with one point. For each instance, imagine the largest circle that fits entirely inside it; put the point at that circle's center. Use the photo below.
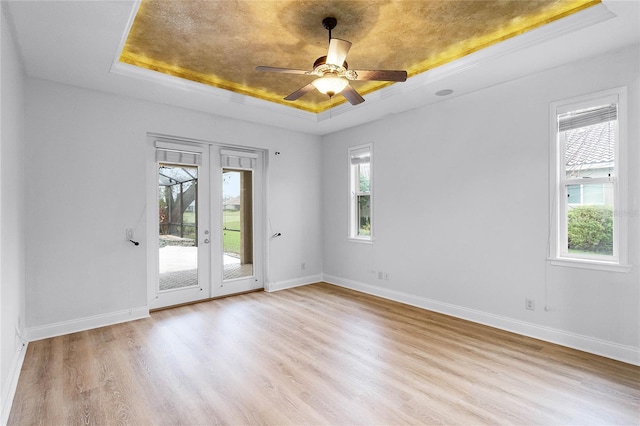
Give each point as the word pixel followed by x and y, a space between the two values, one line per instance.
pixel 220 42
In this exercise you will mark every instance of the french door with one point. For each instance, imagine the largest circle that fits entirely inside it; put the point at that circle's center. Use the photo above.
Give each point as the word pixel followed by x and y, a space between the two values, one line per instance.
pixel 209 223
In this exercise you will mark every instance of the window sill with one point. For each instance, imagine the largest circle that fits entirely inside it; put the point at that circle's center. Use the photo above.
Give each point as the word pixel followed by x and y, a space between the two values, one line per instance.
pixel 360 240
pixel 590 264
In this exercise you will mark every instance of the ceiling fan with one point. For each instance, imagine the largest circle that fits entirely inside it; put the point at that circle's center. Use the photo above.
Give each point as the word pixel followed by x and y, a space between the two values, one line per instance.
pixel 333 72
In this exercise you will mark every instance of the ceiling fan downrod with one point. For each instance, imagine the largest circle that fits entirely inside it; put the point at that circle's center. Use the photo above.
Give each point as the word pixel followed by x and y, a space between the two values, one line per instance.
pixel 329 23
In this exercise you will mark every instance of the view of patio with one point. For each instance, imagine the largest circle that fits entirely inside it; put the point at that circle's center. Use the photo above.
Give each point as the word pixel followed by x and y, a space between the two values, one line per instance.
pixel 178 228
pixel 179 267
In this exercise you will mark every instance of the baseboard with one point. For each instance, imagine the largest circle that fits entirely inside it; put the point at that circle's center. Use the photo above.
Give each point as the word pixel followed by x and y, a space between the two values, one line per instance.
pixel 296 282
pixel 12 385
pixel 628 354
pixel 87 323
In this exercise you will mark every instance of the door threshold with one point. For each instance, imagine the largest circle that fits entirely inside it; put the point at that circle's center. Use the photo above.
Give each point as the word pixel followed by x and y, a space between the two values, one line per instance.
pixel 204 300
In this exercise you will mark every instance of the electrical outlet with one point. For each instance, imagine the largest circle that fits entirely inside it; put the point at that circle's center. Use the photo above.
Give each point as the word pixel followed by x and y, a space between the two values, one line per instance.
pixel 380 275
pixel 303 266
pixel 529 304
pixel 129 233
pixel 386 276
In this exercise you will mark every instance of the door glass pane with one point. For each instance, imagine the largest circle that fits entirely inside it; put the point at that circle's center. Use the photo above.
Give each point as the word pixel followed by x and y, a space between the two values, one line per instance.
pixel 237 216
pixel 178 219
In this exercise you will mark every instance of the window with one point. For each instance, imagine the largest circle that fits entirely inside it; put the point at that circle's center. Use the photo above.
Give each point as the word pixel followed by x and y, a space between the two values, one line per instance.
pixel 588 181
pixel 360 193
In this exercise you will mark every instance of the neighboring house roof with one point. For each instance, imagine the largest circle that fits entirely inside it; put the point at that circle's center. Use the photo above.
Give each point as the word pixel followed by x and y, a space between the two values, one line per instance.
pixel 231 202
pixel 591 146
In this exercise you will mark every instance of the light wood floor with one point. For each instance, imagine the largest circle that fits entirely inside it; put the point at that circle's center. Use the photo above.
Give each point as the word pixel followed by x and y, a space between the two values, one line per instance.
pixel 316 355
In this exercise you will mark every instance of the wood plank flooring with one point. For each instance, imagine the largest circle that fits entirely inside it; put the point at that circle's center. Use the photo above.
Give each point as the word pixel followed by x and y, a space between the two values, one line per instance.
pixel 316 355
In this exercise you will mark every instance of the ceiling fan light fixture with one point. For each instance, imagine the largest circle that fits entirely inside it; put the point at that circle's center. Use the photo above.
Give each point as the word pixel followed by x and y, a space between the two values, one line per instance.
pixel 330 85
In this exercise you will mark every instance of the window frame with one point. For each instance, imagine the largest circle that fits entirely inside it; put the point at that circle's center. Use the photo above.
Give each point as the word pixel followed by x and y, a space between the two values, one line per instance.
pixel 557 255
pixel 354 193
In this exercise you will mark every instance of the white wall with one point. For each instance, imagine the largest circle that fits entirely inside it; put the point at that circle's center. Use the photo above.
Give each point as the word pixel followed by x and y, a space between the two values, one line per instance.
pixel 12 224
pixel 461 212
pixel 87 182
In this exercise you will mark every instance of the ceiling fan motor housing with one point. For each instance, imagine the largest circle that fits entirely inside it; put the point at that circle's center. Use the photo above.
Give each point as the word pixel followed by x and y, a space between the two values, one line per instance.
pixel 329 22
pixel 322 60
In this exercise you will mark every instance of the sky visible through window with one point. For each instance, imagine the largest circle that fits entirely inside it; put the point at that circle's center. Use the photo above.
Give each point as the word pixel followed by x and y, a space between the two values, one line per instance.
pixel 230 185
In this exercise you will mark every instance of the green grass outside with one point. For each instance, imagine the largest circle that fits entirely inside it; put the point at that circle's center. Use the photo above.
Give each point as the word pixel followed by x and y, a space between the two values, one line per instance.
pixel 231 220
pixel 189 217
pixel 231 239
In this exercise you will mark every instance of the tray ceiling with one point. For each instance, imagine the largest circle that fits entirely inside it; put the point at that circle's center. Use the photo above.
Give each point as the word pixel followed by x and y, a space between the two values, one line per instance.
pixel 220 43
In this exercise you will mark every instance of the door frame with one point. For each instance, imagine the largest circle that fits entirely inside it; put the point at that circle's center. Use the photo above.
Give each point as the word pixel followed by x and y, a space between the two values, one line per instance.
pixel 152 245
pixel 257 280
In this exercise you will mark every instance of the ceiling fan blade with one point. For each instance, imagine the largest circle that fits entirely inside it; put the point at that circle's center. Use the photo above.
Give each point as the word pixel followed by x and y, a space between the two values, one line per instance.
pixel 284 70
pixel 381 75
pixel 338 50
pixel 300 92
pixel 352 95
